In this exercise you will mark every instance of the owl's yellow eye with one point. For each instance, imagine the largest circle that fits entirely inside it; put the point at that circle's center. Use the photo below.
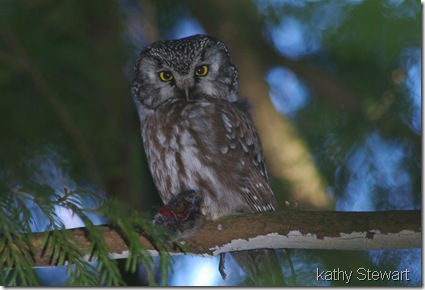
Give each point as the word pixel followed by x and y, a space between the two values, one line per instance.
pixel 201 70
pixel 165 76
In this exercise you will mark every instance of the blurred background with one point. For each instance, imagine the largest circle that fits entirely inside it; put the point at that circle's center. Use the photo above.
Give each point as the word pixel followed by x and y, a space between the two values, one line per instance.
pixel 335 88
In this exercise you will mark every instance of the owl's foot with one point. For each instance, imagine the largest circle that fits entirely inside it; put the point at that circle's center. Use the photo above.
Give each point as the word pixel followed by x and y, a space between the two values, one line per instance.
pixel 183 215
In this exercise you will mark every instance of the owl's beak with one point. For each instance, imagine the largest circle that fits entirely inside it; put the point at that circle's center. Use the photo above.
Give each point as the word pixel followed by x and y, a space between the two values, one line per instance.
pixel 186 93
pixel 186 86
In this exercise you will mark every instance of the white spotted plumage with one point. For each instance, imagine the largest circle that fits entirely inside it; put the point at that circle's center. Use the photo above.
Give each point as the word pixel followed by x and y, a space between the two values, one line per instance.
pixel 196 131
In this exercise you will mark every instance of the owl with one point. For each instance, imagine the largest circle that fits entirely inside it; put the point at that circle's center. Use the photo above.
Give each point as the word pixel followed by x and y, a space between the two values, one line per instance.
pixel 197 131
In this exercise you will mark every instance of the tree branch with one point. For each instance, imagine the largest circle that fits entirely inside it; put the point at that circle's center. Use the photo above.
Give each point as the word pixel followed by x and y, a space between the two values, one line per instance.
pixel 281 229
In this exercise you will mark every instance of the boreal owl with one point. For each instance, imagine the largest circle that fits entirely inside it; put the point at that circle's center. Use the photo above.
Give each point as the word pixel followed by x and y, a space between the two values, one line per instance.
pixel 197 131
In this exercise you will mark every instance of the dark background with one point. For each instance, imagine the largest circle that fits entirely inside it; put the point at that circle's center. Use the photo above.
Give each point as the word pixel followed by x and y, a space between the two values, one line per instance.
pixel 335 88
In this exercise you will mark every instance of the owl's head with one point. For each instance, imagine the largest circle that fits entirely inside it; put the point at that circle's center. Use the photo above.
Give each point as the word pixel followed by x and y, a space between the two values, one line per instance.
pixel 183 70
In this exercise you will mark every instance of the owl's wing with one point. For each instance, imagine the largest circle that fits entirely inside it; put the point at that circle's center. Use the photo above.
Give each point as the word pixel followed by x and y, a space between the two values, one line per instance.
pixel 242 143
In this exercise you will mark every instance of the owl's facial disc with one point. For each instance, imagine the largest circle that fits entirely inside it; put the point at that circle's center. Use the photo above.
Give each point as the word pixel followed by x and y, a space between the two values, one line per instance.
pixel 182 84
pixel 187 85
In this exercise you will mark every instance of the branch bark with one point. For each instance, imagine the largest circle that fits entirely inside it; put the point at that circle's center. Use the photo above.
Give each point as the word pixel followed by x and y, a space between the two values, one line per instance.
pixel 281 229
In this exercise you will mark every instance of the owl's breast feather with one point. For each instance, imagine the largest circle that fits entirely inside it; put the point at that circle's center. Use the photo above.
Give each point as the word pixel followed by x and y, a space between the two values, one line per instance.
pixel 185 144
